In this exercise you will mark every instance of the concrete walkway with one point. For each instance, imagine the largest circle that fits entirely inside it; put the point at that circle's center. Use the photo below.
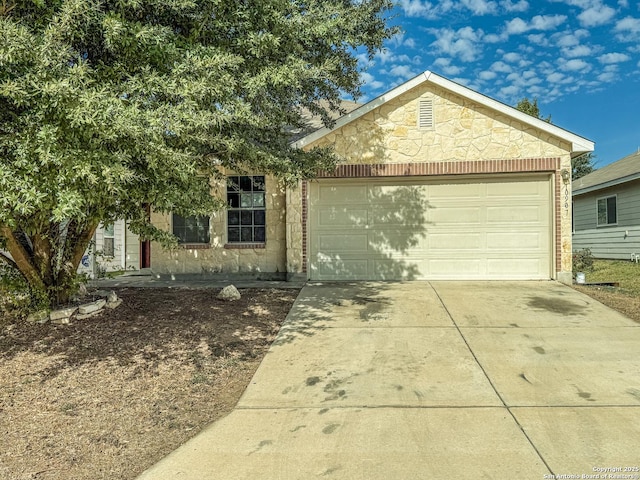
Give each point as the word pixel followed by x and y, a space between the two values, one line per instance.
pixel 433 380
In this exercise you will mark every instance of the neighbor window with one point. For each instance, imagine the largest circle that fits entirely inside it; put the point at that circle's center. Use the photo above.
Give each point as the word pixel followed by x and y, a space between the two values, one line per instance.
pixel 246 217
pixel 193 229
pixel 607 211
pixel 108 241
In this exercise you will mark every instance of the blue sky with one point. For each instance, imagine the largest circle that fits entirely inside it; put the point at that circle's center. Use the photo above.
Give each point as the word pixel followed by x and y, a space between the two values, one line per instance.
pixel 579 58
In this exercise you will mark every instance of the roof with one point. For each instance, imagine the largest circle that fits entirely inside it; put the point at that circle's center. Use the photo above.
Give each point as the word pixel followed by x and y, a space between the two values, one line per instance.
pixel 621 171
pixel 579 145
pixel 314 122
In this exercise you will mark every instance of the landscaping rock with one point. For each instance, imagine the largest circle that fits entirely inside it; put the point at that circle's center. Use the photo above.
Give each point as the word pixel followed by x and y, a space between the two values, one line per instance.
pixel 41 316
pixel 88 315
pixel 229 293
pixel 112 297
pixel 58 316
pixel 92 307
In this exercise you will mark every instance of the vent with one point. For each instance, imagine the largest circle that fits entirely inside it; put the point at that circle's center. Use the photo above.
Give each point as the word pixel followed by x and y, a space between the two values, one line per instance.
pixel 425 114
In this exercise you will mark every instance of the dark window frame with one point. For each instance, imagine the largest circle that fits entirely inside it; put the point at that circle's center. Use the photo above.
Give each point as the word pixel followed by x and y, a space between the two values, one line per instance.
pixel 608 216
pixel 191 230
pixel 246 211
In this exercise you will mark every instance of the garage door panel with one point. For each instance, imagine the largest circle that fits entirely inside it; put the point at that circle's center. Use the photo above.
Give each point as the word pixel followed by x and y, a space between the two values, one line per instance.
pixel 330 269
pixel 464 267
pixel 337 243
pixel 453 215
pixel 531 241
pixel 333 217
pixel 456 191
pixel 462 228
pixel 510 214
pixel 455 241
pixel 515 266
pixel 339 194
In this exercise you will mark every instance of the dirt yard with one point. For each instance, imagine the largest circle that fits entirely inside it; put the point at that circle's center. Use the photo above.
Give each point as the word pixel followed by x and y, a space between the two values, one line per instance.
pixel 626 303
pixel 107 397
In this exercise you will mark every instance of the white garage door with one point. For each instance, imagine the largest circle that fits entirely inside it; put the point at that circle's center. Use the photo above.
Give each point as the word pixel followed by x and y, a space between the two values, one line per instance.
pixel 495 228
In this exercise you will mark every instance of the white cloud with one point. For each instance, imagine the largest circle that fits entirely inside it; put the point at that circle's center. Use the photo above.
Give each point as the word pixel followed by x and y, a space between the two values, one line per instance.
pixel 370 81
pixel 607 77
pixel 555 77
pixel 577 51
pixel 511 57
pixel 629 29
pixel 501 67
pixel 596 15
pixel 574 65
pixel 418 8
pixel 539 39
pixel 403 71
pixel 385 55
pixel 444 65
pixel 539 22
pixel 481 7
pixel 464 43
pixel 570 38
pixel 487 75
pixel 623 3
pixel 510 91
pixel 509 6
pixel 608 58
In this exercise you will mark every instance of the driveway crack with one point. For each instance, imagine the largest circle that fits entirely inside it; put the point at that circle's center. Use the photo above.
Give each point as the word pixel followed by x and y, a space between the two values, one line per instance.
pixel 507 408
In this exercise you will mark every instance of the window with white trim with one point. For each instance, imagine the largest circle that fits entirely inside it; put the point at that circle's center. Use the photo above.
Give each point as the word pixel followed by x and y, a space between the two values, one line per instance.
pixel 108 241
pixel 246 216
pixel 192 229
pixel 607 210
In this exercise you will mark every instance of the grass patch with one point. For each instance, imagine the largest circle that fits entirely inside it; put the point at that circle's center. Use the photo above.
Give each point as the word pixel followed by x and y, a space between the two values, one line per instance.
pixel 625 272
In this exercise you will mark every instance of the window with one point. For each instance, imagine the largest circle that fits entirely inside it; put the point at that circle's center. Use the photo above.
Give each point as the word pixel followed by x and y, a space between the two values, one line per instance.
pixel 193 229
pixel 607 211
pixel 108 241
pixel 246 217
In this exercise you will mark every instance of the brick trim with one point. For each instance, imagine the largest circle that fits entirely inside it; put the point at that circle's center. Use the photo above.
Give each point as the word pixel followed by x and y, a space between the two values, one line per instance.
pixel 195 246
pixel 244 246
pixel 305 202
pixel 435 169
pixel 443 168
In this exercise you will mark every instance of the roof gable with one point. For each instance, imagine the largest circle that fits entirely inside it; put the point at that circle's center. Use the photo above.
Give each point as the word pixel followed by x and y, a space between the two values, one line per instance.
pixel 579 145
pixel 621 171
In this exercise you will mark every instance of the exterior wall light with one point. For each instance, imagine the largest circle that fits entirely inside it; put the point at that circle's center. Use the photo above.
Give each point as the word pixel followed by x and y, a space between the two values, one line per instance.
pixel 566 176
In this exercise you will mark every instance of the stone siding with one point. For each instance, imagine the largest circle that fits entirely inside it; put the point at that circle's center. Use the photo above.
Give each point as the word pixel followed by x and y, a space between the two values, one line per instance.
pixel 219 257
pixel 463 132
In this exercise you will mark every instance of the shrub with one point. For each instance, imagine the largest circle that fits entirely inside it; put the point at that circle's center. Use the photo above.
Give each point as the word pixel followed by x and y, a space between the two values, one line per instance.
pixel 582 261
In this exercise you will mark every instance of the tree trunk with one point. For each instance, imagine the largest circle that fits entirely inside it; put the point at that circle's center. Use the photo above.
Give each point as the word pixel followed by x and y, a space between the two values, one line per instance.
pixel 23 260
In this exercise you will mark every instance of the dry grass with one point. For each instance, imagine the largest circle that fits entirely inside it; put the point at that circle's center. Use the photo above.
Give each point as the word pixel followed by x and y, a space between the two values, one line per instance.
pixel 106 398
pixel 626 297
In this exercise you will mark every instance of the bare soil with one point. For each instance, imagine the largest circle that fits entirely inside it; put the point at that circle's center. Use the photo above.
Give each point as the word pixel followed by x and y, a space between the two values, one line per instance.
pixel 618 299
pixel 107 397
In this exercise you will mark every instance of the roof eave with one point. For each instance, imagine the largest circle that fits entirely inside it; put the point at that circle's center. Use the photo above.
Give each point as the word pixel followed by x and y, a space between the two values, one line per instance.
pixel 610 183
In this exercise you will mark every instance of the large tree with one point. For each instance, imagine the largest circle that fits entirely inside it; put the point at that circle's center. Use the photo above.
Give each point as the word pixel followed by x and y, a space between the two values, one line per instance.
pixel 107 106
pixel 580 166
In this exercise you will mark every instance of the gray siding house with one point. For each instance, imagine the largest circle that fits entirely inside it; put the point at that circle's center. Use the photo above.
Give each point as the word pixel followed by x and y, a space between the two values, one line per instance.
pixel 606 210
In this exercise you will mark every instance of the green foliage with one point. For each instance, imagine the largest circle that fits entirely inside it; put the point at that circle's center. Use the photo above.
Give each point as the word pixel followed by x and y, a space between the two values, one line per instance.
pixel 531 108
pixel 106 107
pixel 583 261
pixel 582 165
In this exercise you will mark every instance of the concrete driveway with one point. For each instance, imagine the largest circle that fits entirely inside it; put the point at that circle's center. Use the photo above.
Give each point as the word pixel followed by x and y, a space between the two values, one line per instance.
pixel 433 380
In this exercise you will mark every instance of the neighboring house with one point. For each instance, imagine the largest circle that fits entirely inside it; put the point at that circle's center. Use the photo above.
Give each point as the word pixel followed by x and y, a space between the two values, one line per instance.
pixel 437 182
pixel 115 248
pixel 606 210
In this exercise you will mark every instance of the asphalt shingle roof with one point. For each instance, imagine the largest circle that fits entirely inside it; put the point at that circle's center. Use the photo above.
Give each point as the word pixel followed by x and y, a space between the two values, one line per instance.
pixel 628 166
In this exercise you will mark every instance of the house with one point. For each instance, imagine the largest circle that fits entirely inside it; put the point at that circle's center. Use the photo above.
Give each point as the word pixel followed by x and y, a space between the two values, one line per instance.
pixel 114 248
pixel 606 210
pixel 437 181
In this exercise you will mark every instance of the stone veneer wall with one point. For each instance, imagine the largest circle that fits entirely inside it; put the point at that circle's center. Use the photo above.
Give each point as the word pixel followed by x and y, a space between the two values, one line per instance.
pixel 219 257
pixel 467 138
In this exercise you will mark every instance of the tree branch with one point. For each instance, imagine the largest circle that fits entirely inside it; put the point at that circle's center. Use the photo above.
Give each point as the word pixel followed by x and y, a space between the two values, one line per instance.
pixel 22 259
pixel 10 262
